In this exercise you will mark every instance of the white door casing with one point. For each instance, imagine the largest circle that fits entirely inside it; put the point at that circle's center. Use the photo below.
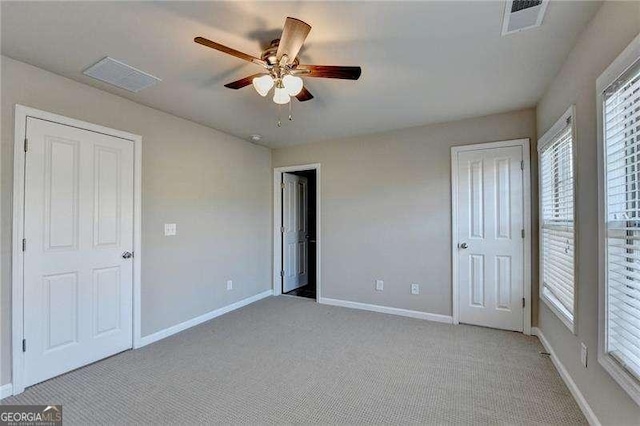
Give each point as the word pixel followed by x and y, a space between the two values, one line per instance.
pixel 78 222
pixel 296 229
pixel 490 237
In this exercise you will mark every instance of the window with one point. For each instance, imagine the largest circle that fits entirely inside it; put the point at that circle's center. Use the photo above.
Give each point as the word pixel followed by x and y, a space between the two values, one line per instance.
pixel 557 230
pixel 620 133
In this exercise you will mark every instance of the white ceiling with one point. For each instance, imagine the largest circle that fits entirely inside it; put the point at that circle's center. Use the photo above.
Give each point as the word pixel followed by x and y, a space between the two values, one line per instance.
pixel 422 62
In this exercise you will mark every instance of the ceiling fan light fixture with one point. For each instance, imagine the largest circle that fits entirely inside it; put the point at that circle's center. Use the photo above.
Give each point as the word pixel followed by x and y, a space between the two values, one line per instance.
pixel 263 84
pixel 280 96
pixel 281 66
pixel 292 84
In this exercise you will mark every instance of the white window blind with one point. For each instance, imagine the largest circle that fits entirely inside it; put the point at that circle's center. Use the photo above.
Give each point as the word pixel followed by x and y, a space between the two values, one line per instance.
pixel 557 221
pixel 622 176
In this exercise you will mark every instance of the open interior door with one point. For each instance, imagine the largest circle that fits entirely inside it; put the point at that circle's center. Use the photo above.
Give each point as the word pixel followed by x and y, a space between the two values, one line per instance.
pixel 295 232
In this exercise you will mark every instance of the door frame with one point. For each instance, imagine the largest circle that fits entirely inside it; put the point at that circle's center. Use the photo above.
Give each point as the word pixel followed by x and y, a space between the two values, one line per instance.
pixel 17 286
pixel 526 185
pixel 277 225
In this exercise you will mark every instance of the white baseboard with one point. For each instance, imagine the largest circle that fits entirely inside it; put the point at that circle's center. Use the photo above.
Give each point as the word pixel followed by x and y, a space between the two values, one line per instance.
pixel 387 310
pixel 6 390
pixel 573 388
pixel 146 340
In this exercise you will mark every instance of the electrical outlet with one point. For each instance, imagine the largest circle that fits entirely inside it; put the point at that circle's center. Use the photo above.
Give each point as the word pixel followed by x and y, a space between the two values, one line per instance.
pixel 229 285
pixel 415 289
pixel 379 285
pixel 169 229
pixel 583 354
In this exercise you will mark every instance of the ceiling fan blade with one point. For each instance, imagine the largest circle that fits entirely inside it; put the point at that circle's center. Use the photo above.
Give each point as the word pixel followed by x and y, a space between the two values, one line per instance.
pixel 304 95
pixel 243 82
pixel 233 52
pixel 293 36
pixel 329 71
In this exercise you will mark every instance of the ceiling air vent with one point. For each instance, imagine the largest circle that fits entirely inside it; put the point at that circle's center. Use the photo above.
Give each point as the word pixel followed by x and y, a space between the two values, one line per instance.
pixel 121 75
pixel 522 15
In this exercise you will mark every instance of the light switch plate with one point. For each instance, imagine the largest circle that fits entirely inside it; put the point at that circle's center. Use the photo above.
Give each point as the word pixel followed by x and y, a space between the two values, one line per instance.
pixel 379 285
pixel 229 285
pixel 415 289
pixel 169 229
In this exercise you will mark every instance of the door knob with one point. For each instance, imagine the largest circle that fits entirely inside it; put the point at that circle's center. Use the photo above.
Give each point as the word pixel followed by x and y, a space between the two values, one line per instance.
pixel 127 255
pixel 464 246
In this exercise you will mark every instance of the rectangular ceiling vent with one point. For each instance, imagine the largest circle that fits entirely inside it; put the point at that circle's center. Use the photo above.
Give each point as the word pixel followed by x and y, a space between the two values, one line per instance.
pixel 522 15
pixel 121 75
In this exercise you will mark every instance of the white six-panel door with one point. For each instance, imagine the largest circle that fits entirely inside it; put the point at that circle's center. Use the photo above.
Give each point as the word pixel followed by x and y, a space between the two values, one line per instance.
pixel 296 229
pixel 489 235
pixel 78 223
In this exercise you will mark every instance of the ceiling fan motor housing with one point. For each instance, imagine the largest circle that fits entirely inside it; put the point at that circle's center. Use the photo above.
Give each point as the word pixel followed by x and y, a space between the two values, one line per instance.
pixel 270 57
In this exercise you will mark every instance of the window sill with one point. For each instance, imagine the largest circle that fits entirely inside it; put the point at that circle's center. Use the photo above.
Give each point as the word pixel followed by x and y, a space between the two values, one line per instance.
pixel 626 381
pixel 556 307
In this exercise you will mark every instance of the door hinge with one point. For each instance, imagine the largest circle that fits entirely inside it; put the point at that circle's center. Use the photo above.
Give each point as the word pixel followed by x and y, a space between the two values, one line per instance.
pixel 24 345
pixel 282 185
pixel 24 244
pixel 282 229
pixel 282 274
pixel 522 165
pixel 522 233
pixel 523 302
pixel 26 144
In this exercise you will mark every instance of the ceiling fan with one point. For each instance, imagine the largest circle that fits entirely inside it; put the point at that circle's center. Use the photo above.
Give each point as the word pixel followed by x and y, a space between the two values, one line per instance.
pixel 282 67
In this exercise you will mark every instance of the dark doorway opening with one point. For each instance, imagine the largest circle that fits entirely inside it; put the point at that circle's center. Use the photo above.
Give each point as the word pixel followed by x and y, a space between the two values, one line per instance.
pixel 308 289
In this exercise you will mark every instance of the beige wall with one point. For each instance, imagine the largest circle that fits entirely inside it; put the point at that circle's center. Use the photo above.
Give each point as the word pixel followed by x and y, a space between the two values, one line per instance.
pixel 611 30
pixel 386 208
pixel 215 187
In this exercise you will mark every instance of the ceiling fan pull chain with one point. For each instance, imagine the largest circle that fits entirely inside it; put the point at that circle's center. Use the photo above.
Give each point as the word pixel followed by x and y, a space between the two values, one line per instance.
pixel 279 111
pixel 290 113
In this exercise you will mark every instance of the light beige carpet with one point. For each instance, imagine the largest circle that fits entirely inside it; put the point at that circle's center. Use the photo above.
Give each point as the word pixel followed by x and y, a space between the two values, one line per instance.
pixel 290 360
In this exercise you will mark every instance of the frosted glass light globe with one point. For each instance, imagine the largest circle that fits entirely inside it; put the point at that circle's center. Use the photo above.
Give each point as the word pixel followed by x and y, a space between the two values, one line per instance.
pixel 292 84
pixel 281 96
pixel 263 84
